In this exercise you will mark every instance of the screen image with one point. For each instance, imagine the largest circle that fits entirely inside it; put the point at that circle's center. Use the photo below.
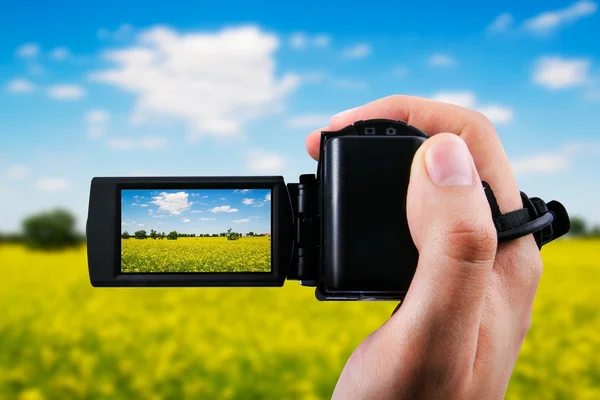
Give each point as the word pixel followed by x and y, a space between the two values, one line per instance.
pixel 195 230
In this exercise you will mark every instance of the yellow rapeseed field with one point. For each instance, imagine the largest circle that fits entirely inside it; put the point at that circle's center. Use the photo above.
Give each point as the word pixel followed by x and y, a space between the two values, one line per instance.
pixel 248 254
pixel 62 339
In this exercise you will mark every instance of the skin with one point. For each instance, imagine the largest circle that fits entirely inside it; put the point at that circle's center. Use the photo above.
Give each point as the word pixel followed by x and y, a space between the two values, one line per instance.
pixel 458 333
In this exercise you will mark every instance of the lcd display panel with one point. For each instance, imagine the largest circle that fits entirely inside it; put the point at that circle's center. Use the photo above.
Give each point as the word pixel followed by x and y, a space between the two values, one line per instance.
pixel 195 231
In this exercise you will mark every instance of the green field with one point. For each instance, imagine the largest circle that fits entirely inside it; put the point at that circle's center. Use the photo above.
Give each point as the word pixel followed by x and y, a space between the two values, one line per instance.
pixel 62 339
pixel 248 254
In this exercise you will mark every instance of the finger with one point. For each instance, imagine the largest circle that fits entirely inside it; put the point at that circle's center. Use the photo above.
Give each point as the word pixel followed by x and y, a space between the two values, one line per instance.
pixel 397 308
pixel 433 117
pixel 313 142
pixel 451 225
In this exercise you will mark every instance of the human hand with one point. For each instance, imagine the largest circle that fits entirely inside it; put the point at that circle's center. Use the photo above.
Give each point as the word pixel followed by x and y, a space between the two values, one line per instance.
pixel 460 328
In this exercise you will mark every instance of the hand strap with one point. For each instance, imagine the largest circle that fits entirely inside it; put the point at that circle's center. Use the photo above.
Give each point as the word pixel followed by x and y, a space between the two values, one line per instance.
pixel 546 221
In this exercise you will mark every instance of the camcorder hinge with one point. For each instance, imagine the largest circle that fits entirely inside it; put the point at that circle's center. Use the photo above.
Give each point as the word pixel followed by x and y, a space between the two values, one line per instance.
pixel 307 235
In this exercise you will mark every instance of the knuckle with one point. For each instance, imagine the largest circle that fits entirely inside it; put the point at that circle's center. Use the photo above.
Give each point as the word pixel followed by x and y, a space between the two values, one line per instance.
pixel 471 241
pixel 480 129
pixel 523 267
pixel 483 121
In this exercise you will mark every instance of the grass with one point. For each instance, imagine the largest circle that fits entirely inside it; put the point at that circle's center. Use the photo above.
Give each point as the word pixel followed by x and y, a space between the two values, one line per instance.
pixel 62 339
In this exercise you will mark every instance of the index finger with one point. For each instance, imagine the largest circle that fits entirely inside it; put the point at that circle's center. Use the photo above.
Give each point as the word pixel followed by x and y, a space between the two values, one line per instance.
pixel 433 117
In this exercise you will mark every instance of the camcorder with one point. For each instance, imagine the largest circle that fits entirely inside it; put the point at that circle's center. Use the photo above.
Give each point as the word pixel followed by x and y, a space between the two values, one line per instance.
pixel 343 230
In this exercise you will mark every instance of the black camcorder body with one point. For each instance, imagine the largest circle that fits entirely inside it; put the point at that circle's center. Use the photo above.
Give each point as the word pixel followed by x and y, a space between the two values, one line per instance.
pixel 342 230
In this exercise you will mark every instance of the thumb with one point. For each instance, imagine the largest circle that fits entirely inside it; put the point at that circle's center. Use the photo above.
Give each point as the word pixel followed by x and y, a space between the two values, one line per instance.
pixel 451 224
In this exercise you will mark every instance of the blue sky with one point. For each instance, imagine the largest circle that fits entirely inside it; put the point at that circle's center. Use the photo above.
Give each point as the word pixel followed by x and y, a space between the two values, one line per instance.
pixel 196 211
pixel 233 88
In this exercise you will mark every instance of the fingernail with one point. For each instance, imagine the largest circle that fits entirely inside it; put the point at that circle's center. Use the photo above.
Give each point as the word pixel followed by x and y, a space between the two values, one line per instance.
pixel 449 162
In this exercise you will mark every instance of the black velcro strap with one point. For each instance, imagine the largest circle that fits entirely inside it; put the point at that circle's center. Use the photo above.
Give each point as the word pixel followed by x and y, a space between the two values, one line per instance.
pixel 533 218
pixel 508 221
pixel 512 220
pixel 489 193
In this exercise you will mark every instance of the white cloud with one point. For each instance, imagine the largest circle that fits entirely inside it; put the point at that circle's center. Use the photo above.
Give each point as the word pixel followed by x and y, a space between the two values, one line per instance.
pixel 185 220
pixel 96 121
pixel 144 205
pixel 66 92
pixel 463 99
pixel 152 143
pixel 52 184
pixel 123 32
pixel 17 172
pixel 224 209
pixel 301 40
pixel 215 82
pixel 140 224
pixel 28 50
pixel 268 197
pixel 349 84
pixel 36 69
pixel 502 23
pixel 496 113
pixel 60 53
pixel 593 94
pixel 298 40
pixel 321 40
pixel 248 202
pixel 312 77
pixel 540 163
pixel 400 71
pixel 241 221
pixel 260 161
pixel 357 51
pixel 207 219
pixel 441 60
pixel 559 73
pixel 554 161
pixel 308 121
pixel 120 143
pixel 20 86
pixel 173 203
pixel 335 80
pixel 147 143
pixel 549 21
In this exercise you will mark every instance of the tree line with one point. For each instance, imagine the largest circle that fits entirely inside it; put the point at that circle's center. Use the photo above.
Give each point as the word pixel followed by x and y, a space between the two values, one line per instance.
pixel 56 229
pixel 174 235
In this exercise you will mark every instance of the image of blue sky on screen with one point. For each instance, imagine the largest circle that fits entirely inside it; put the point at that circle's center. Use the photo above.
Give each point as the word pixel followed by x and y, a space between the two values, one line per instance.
pixel 196 211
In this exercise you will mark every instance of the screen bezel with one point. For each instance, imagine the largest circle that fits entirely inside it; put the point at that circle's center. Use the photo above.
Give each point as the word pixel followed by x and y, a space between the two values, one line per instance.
pixel 120 242
pixel 104 232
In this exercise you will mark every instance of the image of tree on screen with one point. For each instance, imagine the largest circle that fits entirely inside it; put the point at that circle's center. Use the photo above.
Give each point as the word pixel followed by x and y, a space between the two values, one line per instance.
pixel 195 230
